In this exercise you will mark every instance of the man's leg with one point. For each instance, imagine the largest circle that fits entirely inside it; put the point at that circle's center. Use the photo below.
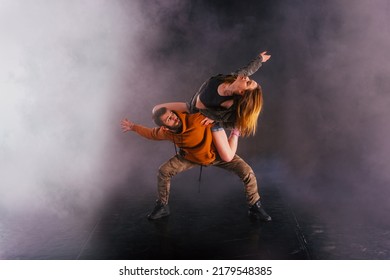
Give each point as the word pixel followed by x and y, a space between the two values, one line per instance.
pixel 167 170
pixel 238 166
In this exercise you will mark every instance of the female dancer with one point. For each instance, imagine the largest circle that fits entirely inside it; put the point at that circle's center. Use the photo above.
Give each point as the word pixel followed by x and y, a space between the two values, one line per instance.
pixel 231 100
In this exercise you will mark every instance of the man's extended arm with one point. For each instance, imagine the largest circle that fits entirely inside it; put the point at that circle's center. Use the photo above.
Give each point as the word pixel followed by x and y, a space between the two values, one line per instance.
pixel 156 133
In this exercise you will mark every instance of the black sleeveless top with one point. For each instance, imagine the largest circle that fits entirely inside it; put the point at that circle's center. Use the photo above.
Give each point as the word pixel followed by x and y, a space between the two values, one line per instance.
pixel 208 94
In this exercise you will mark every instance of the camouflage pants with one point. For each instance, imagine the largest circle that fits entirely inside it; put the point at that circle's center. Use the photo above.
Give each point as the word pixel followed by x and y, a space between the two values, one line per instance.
pixel 178 164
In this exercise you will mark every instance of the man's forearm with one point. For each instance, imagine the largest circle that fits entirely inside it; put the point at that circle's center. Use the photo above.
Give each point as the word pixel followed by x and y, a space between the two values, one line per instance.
pixel 155 133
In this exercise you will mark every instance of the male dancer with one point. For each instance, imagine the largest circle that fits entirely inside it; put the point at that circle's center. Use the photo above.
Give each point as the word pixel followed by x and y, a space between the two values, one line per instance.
pixel 199 145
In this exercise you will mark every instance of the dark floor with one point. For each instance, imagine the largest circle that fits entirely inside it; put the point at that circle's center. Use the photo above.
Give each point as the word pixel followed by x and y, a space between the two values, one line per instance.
pixel 210 224
pixel 205 228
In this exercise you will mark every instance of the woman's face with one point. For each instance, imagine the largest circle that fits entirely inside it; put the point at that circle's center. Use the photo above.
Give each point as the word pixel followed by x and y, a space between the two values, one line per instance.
pixel 243 83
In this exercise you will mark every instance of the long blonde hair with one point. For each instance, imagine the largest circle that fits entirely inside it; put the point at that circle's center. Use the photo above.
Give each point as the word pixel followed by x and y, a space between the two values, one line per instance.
pixel 248 110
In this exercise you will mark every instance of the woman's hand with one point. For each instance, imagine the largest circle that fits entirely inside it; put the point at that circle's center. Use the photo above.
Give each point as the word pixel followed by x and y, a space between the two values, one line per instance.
pixel 127 125
pixel 265 56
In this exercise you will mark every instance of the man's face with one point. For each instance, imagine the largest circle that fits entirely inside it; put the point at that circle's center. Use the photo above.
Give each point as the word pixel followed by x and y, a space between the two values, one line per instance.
pixel 171 120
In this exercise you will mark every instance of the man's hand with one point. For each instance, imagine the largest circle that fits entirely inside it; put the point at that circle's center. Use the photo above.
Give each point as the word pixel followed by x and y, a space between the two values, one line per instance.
pixel 206 121
pixel 127 125
pixel 265 56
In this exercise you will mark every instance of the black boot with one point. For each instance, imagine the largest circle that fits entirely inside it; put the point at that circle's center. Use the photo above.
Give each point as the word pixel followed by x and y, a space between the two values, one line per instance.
pixel 159 211
pixel 257 212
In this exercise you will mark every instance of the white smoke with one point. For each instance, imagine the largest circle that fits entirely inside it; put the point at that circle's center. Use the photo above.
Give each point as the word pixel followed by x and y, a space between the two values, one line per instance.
pixel 61 64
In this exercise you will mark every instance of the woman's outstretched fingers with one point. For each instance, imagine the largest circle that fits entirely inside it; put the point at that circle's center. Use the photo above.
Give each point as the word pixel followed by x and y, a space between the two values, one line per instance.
pixel 265 56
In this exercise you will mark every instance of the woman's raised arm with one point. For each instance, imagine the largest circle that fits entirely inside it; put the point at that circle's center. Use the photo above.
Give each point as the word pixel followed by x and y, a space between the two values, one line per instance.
pixel 253 66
